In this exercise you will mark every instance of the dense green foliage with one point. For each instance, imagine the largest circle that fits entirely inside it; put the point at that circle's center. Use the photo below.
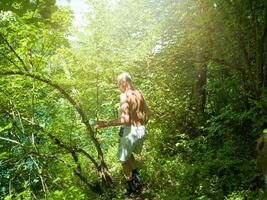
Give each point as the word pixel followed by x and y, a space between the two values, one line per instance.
pixel 202 66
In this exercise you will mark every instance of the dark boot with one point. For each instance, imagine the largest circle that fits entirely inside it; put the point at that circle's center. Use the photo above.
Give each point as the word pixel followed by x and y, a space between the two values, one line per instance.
pixel 136 178
pixel 130 188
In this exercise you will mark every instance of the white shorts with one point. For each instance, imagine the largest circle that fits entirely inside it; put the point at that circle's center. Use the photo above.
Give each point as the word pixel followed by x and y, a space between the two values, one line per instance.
pixel 131 140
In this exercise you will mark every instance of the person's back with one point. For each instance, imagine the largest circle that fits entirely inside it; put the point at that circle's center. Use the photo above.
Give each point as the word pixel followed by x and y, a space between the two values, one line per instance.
pixel 138 109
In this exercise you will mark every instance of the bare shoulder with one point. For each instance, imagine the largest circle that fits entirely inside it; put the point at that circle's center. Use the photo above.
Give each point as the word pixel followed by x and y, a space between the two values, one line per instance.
pixel 138 94
pixel 123 97
pixel 135 93
pixel 131 96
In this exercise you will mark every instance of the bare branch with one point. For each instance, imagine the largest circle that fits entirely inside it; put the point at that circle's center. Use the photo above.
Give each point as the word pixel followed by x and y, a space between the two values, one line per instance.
pixel 88 156
pixel 103 167
pixel 9 140
pixel 13 50
pixel 11 61
pixel 59 143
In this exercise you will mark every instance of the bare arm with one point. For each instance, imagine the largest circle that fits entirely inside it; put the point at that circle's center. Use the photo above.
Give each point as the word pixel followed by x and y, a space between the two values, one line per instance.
pixel 124 118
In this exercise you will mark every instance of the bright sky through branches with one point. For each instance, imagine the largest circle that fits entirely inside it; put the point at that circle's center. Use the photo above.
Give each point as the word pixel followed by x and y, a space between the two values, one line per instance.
pixel 79 8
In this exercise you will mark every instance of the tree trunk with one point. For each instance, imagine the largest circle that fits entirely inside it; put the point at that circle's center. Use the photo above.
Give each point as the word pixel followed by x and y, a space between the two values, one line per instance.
pixel 199 90
pixel 262 159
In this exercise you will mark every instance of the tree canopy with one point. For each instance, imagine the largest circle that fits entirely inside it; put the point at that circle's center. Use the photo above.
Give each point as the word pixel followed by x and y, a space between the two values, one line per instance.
pixel 201 65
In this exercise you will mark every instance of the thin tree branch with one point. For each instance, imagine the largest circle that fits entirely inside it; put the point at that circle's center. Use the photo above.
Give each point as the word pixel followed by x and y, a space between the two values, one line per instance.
pixel 59 143
pixel 104 170
pixel 40 175
pixel 10 140
pixel 88 156
pixel 11 61
pixel 13 50
pixel 73 149
pixel 76 171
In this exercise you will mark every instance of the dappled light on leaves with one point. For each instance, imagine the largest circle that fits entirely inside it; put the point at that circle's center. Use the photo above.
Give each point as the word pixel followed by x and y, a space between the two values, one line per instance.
pixel 201 66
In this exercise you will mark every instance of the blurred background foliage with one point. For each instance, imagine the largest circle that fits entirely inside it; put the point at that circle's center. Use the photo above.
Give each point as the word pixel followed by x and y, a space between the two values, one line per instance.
pixel 202 66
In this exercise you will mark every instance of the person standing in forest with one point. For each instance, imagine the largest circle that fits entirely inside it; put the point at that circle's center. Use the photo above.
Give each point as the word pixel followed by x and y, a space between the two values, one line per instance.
pixel 134 115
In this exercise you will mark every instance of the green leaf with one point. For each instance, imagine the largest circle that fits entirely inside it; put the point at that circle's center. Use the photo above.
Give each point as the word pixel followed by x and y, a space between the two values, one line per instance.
pixel 4 155
pixel 9 126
